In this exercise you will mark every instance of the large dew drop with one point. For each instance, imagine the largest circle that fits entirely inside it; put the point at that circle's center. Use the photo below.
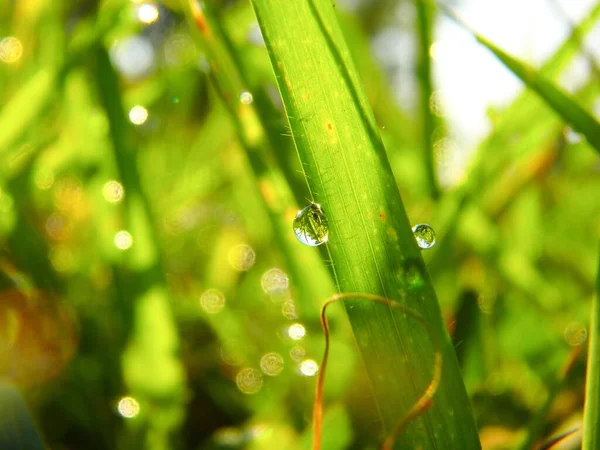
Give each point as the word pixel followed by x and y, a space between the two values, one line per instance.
pixel 424 235
pixel 310 225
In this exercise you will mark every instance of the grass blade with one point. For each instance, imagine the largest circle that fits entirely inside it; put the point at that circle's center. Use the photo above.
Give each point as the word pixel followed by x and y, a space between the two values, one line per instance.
pixel 591 417
pixel 560 101
pixel 370 240
pixel 425 16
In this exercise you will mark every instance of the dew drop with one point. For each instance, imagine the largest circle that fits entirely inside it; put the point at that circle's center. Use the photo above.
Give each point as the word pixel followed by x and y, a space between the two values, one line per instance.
pixel 310 225
pixel 128 407
pixel 271 364
pixel 424 235
pixel 297 353
pixel 575 334
pixel 212 301
pixel 309 368
pixel 274 281
pixel 242 257
pixel 296 331
pixel 249 380
pixel 288 309
pixel 246 98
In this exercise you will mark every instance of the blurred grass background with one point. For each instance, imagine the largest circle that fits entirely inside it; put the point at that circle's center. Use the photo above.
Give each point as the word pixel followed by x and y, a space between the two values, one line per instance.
pixel 153 294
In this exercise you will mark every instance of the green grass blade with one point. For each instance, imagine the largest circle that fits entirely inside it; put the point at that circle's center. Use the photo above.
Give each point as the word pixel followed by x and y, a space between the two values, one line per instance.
pixel 560 101
pixel 425 17
pixel 25 106
pixel 370 240
pixel 151 367
pixel 278 196
pixel 591 417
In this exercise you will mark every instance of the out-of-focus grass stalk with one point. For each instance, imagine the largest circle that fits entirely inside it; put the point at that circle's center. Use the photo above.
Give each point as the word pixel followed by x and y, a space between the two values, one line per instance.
pixel 278 197
pixel 591 416
pixel 560 101
pixel 425 18
pixel 151 368
pixel 536 424
pixel 370 240
pixel 516 119
pixel 37 93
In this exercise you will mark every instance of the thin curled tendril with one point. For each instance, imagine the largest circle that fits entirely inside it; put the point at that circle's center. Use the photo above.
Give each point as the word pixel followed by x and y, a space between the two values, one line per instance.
pixel 418 408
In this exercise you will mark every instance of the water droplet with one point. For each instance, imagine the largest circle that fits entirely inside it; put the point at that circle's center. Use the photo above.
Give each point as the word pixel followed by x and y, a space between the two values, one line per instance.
pixel 274 280
pixel 138 115
pixel 575 334
pixel 249 380
pixel 309 368
pixel 246 98
pixel 11 50
pixel 123 240
pixel 288 309
pixel 296 331
pixel 212 301
pixel 271 364
pixel 148 13
pixel 113 191
pixel 128 407
pixel 572 136
pixel 297 353
pixel 424 235
pixel 310 225
pixel 242 257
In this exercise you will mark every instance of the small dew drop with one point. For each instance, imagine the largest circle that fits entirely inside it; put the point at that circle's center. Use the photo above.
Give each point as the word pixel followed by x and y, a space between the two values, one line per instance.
pixel 11 50
pixel 148 13
pixel 309 368
pixel 297 353
pixel 288 309
pixel 271 364
pixel 575 334
pixel 242 257
pixel 274 281
pixel 113 191
pixel 310 225
pixel 246 98
pixel 296 331
pixel 138 115
pixel 128 407
pixel 424 235
pixel 249 380
pixel 123 240
pixel 212 301
pixel 572 136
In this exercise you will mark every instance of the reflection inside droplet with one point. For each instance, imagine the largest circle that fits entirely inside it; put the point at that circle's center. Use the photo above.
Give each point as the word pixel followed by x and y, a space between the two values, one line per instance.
pixel 310 225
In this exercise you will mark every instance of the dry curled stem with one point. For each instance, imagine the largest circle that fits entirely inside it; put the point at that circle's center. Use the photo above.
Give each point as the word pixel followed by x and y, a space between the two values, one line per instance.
pixel 419 407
